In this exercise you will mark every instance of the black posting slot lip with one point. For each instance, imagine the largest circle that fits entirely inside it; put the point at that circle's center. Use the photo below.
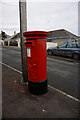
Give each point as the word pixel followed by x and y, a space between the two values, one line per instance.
pixel 28 43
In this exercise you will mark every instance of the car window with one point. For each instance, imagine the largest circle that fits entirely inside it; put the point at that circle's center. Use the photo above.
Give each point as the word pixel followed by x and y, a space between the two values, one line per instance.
pixel 78 45
pixel 69 45
pixel 74 45
pixel 62 45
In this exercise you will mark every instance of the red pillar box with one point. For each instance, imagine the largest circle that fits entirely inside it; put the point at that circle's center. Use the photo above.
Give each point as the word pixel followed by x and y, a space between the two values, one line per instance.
pixel 37 61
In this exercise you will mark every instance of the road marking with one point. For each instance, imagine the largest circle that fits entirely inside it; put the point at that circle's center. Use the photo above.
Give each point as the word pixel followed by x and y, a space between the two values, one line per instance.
pixel 10 67
pixel 69 96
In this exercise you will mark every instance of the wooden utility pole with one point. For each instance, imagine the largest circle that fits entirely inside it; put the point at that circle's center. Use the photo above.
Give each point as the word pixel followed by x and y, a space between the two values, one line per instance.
pixel 23 28
pixel 79 18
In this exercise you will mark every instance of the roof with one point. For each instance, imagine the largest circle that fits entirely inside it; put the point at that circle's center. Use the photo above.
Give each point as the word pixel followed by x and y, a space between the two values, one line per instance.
pixel 56 34
pixel 61 33
pixel 7 37
pixel 15 36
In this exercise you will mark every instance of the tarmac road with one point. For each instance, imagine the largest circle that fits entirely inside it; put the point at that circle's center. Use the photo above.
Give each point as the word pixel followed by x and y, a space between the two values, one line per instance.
pixel 62 72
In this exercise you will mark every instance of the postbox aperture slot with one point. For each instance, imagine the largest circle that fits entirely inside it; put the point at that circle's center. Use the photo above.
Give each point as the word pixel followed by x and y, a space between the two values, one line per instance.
pixel 28 43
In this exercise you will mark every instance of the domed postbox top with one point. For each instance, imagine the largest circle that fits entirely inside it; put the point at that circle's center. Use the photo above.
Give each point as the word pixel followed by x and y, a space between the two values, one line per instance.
pixel 31 34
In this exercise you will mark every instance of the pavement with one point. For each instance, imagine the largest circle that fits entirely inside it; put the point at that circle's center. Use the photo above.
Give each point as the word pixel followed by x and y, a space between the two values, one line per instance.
pixel 18 102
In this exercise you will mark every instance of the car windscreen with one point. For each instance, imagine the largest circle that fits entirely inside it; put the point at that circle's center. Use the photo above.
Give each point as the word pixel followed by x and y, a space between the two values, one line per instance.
pixel 62 45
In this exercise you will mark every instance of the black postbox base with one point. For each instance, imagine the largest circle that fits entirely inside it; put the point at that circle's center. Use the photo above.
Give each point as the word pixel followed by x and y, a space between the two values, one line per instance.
pixel 38 88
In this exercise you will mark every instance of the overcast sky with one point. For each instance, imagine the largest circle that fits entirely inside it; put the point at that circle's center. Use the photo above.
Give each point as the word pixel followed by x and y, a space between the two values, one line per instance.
pixel 44 15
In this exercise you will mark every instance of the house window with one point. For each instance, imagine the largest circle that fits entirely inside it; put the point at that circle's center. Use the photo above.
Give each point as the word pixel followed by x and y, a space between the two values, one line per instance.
pixel 49 40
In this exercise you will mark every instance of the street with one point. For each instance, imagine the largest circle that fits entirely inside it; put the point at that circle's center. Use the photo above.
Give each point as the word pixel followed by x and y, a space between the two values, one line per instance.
pixel 62 73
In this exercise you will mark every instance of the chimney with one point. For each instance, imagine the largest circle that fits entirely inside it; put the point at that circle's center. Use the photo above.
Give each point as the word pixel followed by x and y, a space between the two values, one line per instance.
pixel 14 32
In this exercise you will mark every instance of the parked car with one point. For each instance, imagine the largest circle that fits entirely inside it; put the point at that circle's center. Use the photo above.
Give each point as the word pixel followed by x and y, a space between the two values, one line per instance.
pixel 71 49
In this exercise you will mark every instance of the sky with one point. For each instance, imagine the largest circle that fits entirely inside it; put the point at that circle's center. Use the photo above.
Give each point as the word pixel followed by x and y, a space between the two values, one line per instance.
pixel 46 15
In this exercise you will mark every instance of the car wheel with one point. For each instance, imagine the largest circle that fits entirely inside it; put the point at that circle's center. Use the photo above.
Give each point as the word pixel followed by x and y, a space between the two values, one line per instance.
pixel 76 56
pixel 50 52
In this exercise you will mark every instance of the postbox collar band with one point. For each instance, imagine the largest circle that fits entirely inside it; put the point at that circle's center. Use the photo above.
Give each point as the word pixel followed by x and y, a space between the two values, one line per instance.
pixel 35 38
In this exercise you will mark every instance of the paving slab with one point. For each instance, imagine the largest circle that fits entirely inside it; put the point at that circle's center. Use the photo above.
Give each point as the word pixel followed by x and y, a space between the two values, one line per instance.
pixel 18 102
